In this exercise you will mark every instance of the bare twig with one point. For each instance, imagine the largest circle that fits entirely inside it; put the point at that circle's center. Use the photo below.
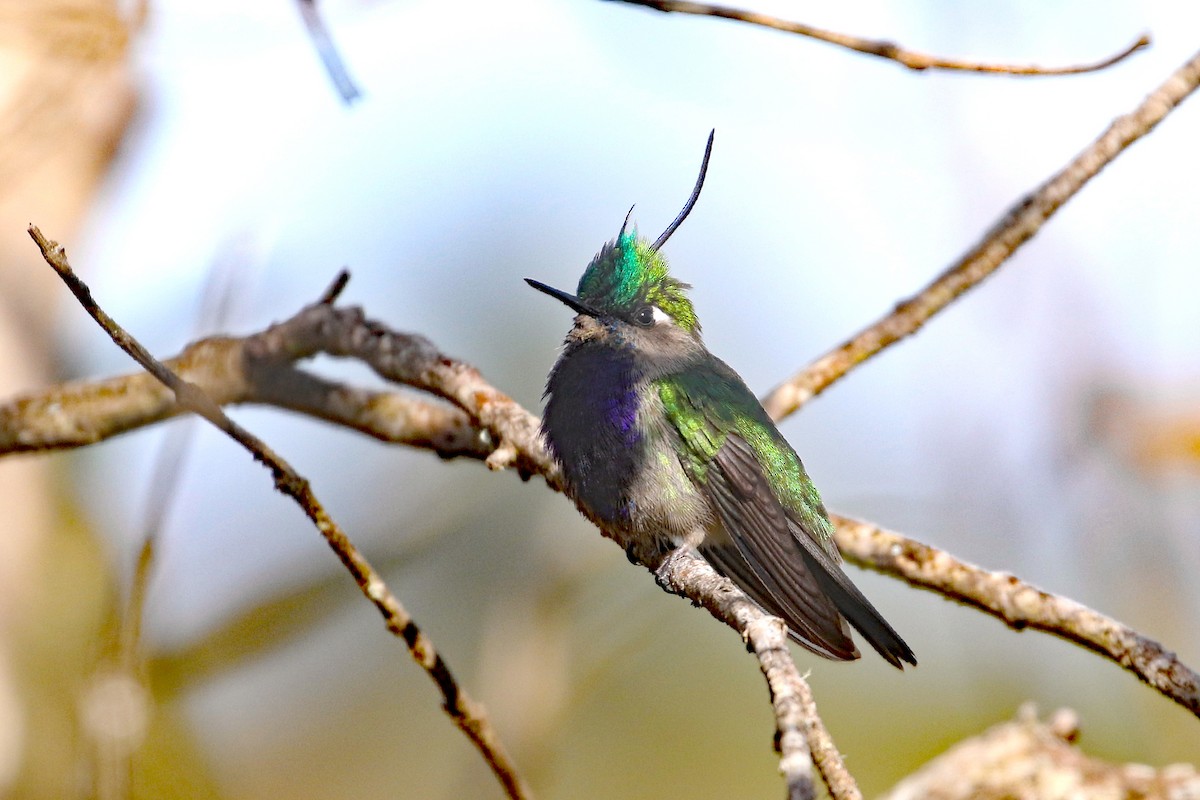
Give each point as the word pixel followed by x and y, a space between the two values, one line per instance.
pixel 328 52
pixel 838 780
pixel 392 417
pixel 1021 222
pixel 801 738
pixel 81 413
pixel 413 360
pixel 1019 605
pixel 883 49
pixel 467 714
pixel 1025 757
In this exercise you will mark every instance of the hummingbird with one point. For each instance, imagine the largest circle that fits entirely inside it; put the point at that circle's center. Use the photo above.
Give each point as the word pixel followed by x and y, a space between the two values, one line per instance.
pixel 664 443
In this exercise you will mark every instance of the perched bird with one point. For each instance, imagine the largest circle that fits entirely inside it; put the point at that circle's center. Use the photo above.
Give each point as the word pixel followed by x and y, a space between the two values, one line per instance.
pixel 663 442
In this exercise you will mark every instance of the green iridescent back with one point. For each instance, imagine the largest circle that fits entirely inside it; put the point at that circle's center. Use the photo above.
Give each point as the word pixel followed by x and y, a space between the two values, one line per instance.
pixel 708 402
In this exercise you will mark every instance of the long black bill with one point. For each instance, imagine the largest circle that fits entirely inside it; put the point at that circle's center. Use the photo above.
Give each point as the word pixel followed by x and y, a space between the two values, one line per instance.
pixel 569 299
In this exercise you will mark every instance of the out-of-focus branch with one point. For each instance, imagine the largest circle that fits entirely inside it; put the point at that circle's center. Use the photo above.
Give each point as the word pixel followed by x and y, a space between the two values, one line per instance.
pixel 117 751
pixel 1021 222
pixel 327 51
pixel 467 714
pixel 1019 605
pixel 1026 757
pixel 882 49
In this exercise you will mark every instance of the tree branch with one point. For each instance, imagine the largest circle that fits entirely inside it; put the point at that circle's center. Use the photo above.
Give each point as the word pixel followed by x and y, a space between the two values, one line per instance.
pixel 1028 758
pixel 413 360
pixel 327 51
pixel 81 413
pixel 465 712
pixel 799 731
pixel 233 370
pixel 323 328
pixel 882 49
pixel 1019 224
pixel 1019 605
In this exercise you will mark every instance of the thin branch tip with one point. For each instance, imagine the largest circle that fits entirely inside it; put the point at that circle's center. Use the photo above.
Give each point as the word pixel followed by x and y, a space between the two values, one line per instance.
pixel 335 289
pixel 892 51
pixel 39 239
pixel 346 88
pixel 503 457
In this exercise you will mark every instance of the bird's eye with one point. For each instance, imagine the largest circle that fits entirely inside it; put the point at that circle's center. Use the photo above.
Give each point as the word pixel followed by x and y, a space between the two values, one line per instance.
pixel 644 316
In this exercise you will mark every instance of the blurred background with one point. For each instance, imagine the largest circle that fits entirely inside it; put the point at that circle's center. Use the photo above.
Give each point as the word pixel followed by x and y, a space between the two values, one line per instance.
pixel 1048 424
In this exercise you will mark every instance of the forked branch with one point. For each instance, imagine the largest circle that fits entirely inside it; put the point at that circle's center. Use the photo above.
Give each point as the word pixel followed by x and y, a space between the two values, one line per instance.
pixel 466 713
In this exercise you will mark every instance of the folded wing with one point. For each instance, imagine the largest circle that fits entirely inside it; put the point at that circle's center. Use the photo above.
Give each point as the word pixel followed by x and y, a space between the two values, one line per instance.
pixel 777 544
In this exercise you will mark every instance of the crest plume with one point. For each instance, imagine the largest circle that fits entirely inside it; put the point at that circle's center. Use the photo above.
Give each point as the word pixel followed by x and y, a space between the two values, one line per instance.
pixel 691 201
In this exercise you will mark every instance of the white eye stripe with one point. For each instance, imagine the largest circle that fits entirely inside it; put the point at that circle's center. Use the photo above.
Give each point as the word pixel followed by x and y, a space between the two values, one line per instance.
pixel 660 316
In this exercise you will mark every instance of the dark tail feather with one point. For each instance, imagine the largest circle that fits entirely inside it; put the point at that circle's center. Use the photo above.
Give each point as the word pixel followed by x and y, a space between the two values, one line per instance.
pixel 858 610
pixel 811 615
pixel 784 566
